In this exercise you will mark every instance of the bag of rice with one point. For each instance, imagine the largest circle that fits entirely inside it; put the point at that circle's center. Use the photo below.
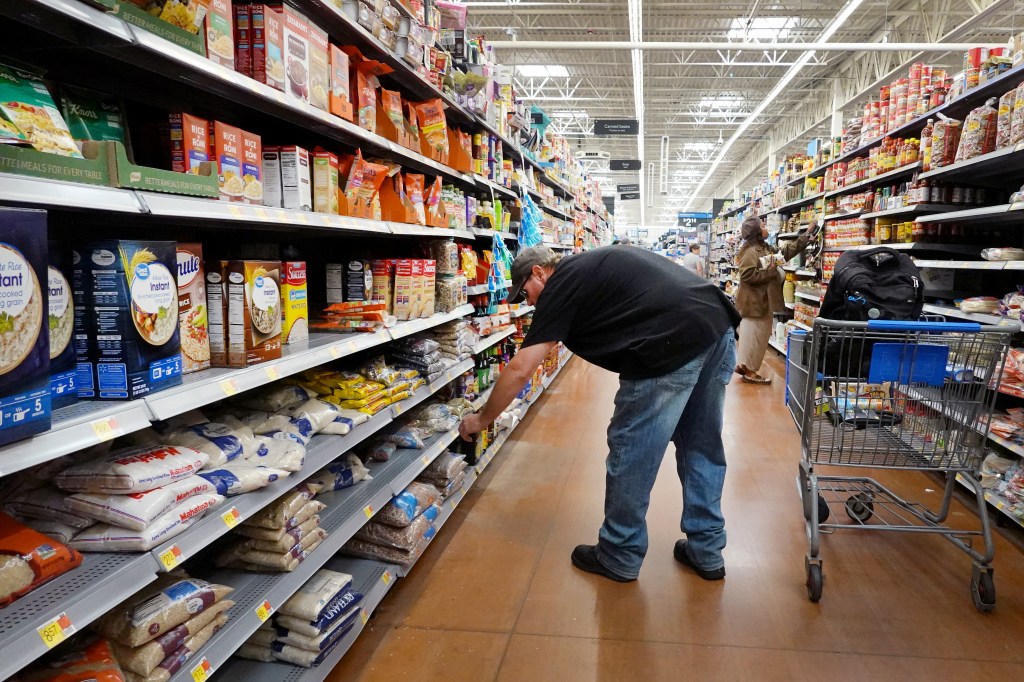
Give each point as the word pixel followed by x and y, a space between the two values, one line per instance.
pixel 447 466
pixel 61 532
pixel 174 662
pixel 107 538
pixel 316 595
pixel 158 608
pixel 407 505
pixel 48 504
pixel 382 452
pixel 180 421
pixel 283 513
pixel 344 603
pixel 342 474
pixel 400 538
pixel 132 470
pixel 280 426
pixel 300 657
pixel 320 642
pixel 345 421
pixel 95 663
pixel 138 510
pixel 279 534
pixel 256 652
pixel 28 559
pixel 241 552
pixel 279 453
pixel 277 398
pixel 319 413
pixel 368 550
pixel 288 542
pixel 218 441
pixel 242 477
pixel 142 660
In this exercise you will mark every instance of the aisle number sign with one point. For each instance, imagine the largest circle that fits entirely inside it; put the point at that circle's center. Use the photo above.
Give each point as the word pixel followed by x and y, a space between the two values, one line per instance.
pixel 55 631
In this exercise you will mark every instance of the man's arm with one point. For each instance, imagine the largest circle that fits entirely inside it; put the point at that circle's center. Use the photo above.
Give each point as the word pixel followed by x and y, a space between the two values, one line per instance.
pixel 515 375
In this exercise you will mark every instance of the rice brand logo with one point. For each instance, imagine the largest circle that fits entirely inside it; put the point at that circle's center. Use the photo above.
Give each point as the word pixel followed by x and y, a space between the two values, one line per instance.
pixel 184 495
pixel 56 288
pixel 158 286
pixel 189 513
pixel 145 456
pixel 103 257
pixel 296 271
pixel 142 271
pixel 259 283
pixel 188 268
pixel 250 144
pixel 85 112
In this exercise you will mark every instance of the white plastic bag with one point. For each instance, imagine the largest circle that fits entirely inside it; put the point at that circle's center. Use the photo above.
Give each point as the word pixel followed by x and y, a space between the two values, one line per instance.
pixel 242 477
pixel 319 413
pixel 106 538
pixel 218 441
pixel 138 510
pixel 132 470
pixel 278 453
pixel 48 504
pixel 316 594
pixel 341 474
pixel 276 398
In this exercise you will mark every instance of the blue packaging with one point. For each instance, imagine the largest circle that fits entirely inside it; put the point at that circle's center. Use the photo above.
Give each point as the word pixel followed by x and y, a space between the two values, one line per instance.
pixel 61 317
pixel 24 340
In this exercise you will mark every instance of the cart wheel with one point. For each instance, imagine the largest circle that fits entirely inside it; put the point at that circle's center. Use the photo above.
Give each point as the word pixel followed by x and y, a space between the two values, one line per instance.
pixel 814 582
pixel 983 590
pixel 823 511
pixel 860 507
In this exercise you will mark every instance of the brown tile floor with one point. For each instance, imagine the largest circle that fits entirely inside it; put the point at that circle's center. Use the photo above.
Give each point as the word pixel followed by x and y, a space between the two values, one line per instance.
pixel 495 597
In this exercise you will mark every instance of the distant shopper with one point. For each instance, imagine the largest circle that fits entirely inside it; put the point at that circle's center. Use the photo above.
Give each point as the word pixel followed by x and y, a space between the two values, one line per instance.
pixel 758 265
pixel 669 336
pixel 693 262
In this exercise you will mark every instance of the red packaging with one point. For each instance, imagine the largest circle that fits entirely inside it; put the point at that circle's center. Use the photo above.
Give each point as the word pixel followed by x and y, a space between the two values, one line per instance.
pixel 267 39
pixel 190 142
pixel 243 45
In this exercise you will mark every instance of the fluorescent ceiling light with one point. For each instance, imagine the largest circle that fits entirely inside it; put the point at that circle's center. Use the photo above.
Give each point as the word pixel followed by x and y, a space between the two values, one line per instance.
pixel 542 71
pixel 761 28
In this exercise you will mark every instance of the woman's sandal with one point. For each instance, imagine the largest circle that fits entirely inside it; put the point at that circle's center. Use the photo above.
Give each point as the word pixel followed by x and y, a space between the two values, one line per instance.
pixel 754 378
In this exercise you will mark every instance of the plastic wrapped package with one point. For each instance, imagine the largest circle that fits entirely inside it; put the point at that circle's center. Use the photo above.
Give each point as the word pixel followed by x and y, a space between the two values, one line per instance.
pixel 407 505
pixel 132 470
pixel 1017 119
pixel 173 663
pixel 104 537
pixel 279 453
pixel 1012 303
pixel 378 370
pixel 376 406
pixel 218 441
pixel 988 305
pixel 138 511
pixel 29 559
pixel 345 421
pixel 447 466
pixel 446 253
pixel 278 535
pixel 316 594
pixel 454 486
pixel 341 474
pixel 431 411
pixel 301 657
pixel 407 438
pixel 1003 254
pixel 319 413
pixel 345 602
pixel 368 550
pixel 49 504
pixel 460 407
pixel 94 663
pixel 1004 122
pixel 405 538
pixel 322 642
pixel 283 512
pixel 242 553
pixel 158 608
pixel 945 141
pixel 55 530
pixel 298 536
pixel 448 293
pixel 143 660
pixel 417 346
pixel 979 132
pixel 383 451
pixel 278 397
pixel 242 477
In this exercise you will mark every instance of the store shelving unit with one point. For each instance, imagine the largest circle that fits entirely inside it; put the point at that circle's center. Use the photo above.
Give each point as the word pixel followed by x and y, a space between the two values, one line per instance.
pixel 495 338
pixel 522 310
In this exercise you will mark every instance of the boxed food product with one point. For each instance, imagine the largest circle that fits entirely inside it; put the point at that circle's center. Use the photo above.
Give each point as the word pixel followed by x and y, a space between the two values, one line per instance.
pixel 243 40
pixel 319 67
pixel 61 317
pixel 416 289
pixel 427 287
pixel 383 272
pixel 294 302
pixel 220 43
pixel 272 191
pixel 129 320
pixel 252 169
pixel 267 36
pixel 217 310
pixel 296 192
pixel 31 114
pixel 254 312
pixel 192 316
pixel 190 143
pixel 325 182
pixel 403 290
pixel 24 343
pixel 358 281
pixel 295 41
pixel 92 116
pixel 340 104
pixel 227 153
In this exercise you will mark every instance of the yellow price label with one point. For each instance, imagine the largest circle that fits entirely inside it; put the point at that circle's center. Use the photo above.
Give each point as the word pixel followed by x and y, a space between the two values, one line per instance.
pixel 351 347
pixel 171 558
pixel 386 578
pixel 364 616
pixel 229 387
pixel 283 216
pixel 300 216
pixel 398 408
pixel 425 460
pixel 232 517
pixel 335 352
pixel 202 671
pixel 326 219
pixel 261 214
pixel 368 510
pixel 106 429
pixel 273 373
pixel 56 631
pixel 264 611
pixel 235 211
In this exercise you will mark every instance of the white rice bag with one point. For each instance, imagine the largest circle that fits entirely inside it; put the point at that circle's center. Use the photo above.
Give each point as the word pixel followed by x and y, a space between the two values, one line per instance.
pixel 322 642
pixel 180 421
pixel 319 413
pixel 243 432
pixel 242 477
pixel 106 538
pixel 148 437
pixel 301 657
pixel 256 652
pixel 279 535
pixel 48 504
pixel 132 470
pixel 345 421
pixel 218 441
pixel 139 510
pixel 316 594
pixel 280 426
pixel 277 397
pixel 279 453
pixel 341 474
pixel 61 532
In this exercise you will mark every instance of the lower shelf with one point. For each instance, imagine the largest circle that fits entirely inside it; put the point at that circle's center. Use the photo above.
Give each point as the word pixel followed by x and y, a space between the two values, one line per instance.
pixel 774 343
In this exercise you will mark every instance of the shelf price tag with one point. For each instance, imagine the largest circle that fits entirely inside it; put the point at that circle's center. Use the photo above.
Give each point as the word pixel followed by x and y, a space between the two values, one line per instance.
pixel 386 578
pixel 425 460
pixel 351 347
pixel 229 387
pixel 261 214
pixel 398 408
pixel 56 631
pixel 171 558
pixel 368 510
pixel 235 211
pixel 364 616
pixel 264 611
pixel 202 671
pixel 107 428
pixel 273 373
pixel 231 517
pixel 335 352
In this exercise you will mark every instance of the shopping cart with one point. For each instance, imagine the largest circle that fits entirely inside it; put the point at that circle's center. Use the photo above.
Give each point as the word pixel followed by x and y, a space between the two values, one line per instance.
pixel 893 395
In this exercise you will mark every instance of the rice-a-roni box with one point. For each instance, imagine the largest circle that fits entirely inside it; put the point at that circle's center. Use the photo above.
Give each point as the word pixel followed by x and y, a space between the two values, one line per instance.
pixel 24 341
pixel 61 324
pixel 129 321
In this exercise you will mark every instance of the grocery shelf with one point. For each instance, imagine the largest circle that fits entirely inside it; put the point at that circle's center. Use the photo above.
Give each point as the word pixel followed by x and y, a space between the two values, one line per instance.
pixel 952 311
pixel 800 202
pixel 801 325
pixel 558 213
pixel 564 247
pixel 808 297
pixel 1003 162
pixel 522 310
pixel 790 235
pixel 798 180
pixel 489 234
pixel 478 289
pixel 994 498
pixel 791 306
pixel 962 264
pixel 854 247
pixel 488 341
pixel 840 216
pixel 735 210
pixel 927 247
pixel 903 170
pixel 424 231
pixel 773 342
pixel 75 428
pixel 912 209
pixel 986 214
pixel 806 273
pixel 430 389
pixel 559 188
pixel 403 329
pixel 493 187
pixel 45 193
pixel 81 596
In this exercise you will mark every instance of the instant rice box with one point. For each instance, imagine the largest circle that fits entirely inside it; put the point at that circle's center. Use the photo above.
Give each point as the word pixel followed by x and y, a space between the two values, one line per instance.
pixel 61 325
pixel 24 341
pixel 129 321
pixel 254 312
pixel 193 318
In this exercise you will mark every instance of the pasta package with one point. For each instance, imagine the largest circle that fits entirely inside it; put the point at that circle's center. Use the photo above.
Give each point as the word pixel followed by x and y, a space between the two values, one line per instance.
pixel 27 105
pixel 28 559
pixel 95 663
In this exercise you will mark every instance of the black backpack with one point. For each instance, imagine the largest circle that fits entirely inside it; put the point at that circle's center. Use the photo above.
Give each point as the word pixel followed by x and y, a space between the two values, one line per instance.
pixel 876 284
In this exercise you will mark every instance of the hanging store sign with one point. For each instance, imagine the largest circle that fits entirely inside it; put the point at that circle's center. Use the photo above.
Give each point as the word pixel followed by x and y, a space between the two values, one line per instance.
pixel 629 196
pixel 537 117
pixel 692 220
pixel 624 165
pixel 609 204
pixel 616 126
pixel 627 188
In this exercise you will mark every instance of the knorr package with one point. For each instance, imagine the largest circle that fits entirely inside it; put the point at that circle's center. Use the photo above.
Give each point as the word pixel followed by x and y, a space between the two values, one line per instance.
pixel 26 103
pixel 91 115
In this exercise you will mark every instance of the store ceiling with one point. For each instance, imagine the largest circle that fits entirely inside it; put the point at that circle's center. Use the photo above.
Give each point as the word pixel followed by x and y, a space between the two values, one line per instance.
pixel 699 99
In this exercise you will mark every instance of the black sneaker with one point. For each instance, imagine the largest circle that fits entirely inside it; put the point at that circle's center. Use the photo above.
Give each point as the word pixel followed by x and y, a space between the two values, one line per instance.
pixel 683 557
pixel 584 557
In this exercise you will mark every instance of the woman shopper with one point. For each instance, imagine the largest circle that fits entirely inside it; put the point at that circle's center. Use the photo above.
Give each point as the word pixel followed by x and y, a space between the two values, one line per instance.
pixel 760 283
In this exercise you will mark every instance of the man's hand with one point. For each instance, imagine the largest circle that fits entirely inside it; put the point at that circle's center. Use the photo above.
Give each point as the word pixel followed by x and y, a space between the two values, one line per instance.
pixel 471 424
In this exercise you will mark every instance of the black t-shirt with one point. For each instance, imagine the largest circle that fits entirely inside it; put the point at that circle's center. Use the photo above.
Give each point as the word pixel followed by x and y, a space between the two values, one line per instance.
pixel 630 311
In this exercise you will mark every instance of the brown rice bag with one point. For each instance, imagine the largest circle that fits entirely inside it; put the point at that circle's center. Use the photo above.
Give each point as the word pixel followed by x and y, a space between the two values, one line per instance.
pixel 279 534
pixel 177 660
pixel 143 660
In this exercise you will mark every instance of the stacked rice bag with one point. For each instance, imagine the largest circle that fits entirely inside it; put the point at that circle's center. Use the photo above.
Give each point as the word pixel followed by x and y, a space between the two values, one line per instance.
pixel 310 624
pixel 424 422
pixel 401 530
pixel 340 474
pixel 432 357
pixel 279 537
pixel 447 473
pixel 360 395
pixel 156 631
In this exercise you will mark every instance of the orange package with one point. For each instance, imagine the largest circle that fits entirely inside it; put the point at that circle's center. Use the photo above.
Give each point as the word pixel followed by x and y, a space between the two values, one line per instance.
pixel 414 190
pixel 28 559
pixel 433 125
pixel 364 181
pixel 434 208
pixel 95 663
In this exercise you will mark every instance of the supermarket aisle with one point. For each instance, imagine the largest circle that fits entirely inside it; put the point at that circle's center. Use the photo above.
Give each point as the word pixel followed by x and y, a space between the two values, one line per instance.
pixel 496 597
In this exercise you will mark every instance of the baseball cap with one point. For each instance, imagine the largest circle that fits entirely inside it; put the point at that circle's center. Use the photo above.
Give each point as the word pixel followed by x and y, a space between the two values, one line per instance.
pixel 523 265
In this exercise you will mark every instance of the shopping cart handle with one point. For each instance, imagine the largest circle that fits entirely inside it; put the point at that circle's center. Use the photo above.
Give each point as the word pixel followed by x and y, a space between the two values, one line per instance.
pixel 908 326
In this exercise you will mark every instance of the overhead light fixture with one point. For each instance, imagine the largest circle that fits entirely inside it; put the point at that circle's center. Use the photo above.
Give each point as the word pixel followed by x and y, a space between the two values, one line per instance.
pixel 761 28
pixel 542 71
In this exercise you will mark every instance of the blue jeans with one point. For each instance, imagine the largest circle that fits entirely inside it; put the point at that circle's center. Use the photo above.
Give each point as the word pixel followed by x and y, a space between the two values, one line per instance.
pixel 685 407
